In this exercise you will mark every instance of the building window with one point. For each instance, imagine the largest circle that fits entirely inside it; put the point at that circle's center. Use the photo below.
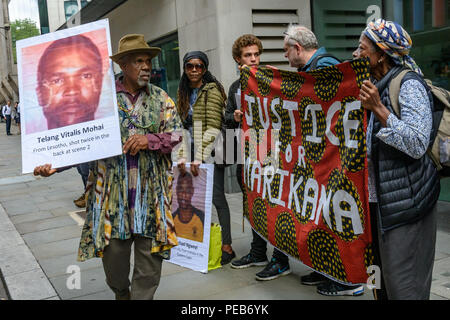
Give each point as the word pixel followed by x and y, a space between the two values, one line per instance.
pixel 43 16
pixel 338 24
pixel 268 26
pixel 166 66
pixel 428 23
pixel 71 7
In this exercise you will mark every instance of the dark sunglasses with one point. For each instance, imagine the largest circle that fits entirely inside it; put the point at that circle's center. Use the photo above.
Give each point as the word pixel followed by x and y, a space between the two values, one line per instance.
pixel 190 66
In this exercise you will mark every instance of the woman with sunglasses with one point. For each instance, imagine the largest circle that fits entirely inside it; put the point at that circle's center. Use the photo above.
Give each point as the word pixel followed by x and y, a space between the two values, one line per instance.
pixel 201 99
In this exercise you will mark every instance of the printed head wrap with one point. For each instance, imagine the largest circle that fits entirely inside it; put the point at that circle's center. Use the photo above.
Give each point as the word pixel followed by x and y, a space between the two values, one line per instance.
pixel 390 37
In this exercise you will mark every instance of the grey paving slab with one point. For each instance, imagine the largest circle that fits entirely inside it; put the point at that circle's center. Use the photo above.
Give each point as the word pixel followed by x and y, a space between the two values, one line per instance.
pixel 22 274
pixel 64 211
pixel 56 249
pixel 13 205
pixel 57 266
pixel 436 297
pixel 440 255
pixel 441 288
pixel 31 217
pixel 174 286
pixel 26 208
pixel 62 185
pixel 10 239
pixel 443 243
pixel 66 196
pixel 37 189
pixel 53 204
pixel 6 225
pixel 17 259
pixel 440 284
pixel 6 189
pixel 52 235
pixel 169 268
pixel 16 195
pixel 236 231
pixel 102 295
pixel 17 202
pixel 92 281
pixel 31 285
pixel 45 224
pixel 16 179
pixel 443 220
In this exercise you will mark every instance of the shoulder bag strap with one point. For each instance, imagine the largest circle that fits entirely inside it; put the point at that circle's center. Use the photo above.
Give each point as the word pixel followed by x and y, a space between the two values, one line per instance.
pixel 394 91
pixel 313 64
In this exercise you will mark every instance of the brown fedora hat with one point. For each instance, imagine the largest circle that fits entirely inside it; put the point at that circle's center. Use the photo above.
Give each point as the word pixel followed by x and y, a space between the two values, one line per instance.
pixel 134 43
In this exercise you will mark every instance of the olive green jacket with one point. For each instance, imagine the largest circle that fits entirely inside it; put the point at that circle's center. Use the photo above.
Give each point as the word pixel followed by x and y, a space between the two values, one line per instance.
pixel 208 114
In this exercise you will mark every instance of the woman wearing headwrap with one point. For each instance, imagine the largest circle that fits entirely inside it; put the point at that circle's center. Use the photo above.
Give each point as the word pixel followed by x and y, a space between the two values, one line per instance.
pixel 403 182
pixel 201 99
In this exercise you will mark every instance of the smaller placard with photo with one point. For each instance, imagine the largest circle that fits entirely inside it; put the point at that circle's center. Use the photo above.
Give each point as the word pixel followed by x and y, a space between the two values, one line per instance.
pixel 191 210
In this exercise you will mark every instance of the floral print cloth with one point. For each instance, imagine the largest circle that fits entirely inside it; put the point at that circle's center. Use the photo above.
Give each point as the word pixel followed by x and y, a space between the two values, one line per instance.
pixel 409 134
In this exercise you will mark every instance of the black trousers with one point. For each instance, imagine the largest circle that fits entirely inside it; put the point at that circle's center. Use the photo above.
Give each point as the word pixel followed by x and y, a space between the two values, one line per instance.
pixel 406 257
pixel 258 246
pixel 83 170
pixel 221 204
pixel 8 124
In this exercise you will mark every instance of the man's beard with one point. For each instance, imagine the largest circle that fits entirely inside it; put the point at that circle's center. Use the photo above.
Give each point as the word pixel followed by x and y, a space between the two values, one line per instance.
pixel 141 82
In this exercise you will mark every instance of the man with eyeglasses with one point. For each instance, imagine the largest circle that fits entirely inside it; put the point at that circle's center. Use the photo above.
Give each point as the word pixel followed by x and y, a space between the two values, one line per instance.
pixel 302 50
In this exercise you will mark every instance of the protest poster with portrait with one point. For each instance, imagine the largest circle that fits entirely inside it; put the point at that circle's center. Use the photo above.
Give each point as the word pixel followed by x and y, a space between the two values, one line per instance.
pixel 68 97
pixel 305 166
pixel 191 210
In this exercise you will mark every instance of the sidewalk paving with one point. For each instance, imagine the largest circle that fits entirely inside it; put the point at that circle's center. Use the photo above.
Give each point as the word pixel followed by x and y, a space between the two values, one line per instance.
pixel 39 237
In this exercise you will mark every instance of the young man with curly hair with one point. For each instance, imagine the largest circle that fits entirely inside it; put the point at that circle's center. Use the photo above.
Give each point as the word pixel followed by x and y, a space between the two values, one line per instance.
pixel 246 51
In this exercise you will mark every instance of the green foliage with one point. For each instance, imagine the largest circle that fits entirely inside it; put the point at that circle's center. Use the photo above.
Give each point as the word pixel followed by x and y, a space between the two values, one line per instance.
pixel 22 29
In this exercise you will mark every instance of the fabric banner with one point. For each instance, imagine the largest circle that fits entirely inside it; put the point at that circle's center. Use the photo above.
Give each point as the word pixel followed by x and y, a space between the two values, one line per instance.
pixel 191 210
pixel 68 97
pixel 305 165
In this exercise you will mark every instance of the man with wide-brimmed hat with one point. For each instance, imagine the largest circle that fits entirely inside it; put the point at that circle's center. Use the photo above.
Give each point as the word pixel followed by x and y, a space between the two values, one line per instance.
pixel 129 196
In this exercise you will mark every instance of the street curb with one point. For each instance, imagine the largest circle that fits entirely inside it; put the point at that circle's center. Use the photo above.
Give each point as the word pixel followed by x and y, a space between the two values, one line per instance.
pixel 22 274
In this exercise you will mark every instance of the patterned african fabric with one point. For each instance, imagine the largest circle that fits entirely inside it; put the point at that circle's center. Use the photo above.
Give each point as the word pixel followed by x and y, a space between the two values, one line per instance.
pixel 393 40
pixel 305 166
pixel 128 195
